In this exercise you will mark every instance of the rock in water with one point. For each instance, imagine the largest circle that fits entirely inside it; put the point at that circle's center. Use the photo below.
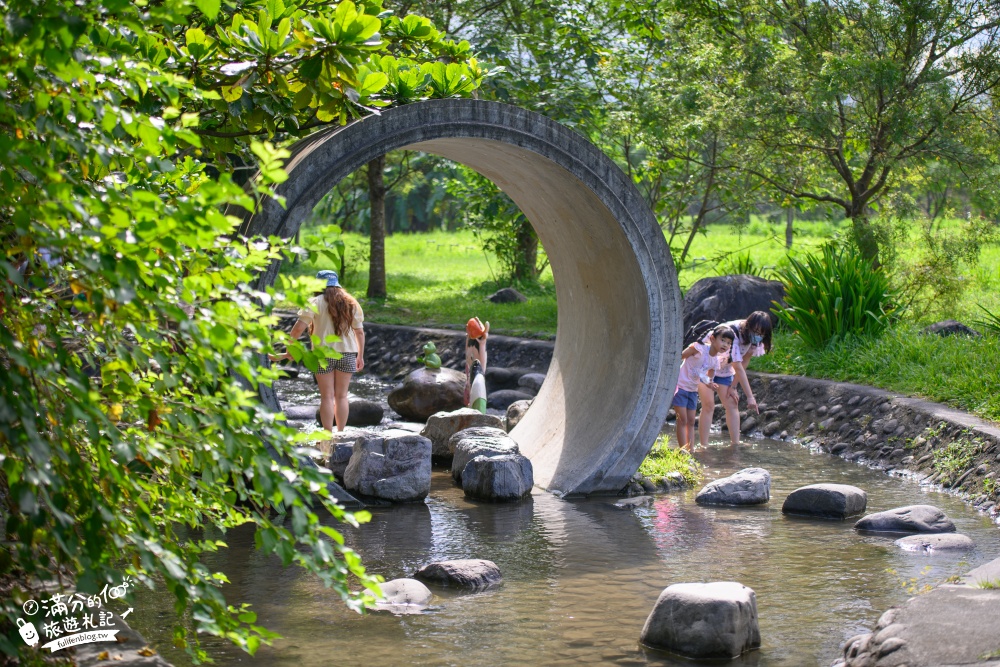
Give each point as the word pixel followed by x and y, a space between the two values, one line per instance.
pixel 827 501
pixel 909 519
pixel 392 465
pixel 426 391
pixel 750 486
pixel 498 478
pixel 442 425
pixel 470 573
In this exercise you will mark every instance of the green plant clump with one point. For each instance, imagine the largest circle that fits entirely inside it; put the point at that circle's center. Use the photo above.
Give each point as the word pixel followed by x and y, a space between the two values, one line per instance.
pixel 663 460
pixel 956 458
pixel 835 294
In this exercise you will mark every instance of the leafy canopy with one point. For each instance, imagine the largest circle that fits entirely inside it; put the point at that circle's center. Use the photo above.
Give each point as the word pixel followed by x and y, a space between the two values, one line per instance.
pixel 131 341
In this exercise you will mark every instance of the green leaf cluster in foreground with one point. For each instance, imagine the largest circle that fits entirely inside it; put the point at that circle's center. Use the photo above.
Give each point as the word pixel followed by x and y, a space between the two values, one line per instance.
pixel 132 342
pixel 663 460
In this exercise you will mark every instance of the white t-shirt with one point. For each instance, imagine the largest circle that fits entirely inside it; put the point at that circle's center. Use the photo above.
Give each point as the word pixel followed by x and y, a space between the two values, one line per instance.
pixel 319 318
pixel 695 366
pixel 737 353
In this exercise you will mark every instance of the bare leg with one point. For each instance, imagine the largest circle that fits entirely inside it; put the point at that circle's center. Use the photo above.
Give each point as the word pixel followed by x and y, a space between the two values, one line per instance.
pixel 707 398
pixel 342 381
pixel 732 403
pixel 326 399
pixel 682 428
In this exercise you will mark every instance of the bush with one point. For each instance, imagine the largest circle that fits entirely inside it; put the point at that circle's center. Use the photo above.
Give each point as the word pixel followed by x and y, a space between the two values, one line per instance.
pixel 835 294
pixel 663 460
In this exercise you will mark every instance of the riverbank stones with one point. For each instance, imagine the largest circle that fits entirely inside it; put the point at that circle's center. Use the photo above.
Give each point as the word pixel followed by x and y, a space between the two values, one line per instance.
pixel 826 501
pixel 471 573
pixel 515 411
pixel 362 412
pixel 750 486
pixel 936 543
pixel 501 400
pixel 469 443
pixel 498 479
pixel 403 596
pixel 442 425
pixel 702 621
pixel 392 465
pixel 427 391
pixel 909 519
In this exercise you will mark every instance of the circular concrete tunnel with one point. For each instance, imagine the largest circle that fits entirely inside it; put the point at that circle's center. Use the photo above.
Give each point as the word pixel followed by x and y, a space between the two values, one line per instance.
pixel 618 337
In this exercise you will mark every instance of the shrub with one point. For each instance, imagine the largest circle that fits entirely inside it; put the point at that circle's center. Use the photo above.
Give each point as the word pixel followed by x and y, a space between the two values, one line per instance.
pixel 835 294
pixel 663 460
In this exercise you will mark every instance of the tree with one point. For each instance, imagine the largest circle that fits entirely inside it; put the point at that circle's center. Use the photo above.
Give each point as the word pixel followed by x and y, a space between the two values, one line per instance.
pixel 853 93
pixel 131 342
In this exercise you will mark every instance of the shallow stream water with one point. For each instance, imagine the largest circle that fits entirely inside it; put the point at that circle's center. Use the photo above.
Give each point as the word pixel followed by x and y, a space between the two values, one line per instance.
pixel 581 576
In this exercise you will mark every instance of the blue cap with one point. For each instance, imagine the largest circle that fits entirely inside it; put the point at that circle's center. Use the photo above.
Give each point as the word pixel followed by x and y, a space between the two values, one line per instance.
pixel 330 277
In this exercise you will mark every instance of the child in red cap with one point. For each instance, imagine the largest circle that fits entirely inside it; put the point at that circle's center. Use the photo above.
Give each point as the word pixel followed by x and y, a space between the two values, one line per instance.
pixel 476 334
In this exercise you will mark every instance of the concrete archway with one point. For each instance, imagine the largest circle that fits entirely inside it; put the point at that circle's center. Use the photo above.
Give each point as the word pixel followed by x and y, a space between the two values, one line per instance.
pixel 618 339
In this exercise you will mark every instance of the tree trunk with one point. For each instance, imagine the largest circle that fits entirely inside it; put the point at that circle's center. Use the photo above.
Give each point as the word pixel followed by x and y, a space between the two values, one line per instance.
pixel 526 267
pixel 789 219
pixel 864 237
pixel 376 198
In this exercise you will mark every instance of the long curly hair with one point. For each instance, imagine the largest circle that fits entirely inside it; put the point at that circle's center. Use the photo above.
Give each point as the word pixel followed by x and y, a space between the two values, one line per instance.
pixel 342 307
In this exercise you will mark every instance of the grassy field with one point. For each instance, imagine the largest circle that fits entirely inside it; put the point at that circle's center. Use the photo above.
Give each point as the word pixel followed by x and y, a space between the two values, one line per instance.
pixel 441 279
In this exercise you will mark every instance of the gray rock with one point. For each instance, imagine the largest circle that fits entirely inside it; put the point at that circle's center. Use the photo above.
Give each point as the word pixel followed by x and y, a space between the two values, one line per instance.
pixel 403 596
pixel 498 478
pixel 931 544
pixel 442 425
pixel 364 412
pixel 478 441
pixel 501 400
pixel 750 486
pixel 469 573
pixel 427 391
pixel 748 425
pixel 713 620
pixel 725 298
pixel 950 328
pixel 515 411
pixel 507 295
pixel 827 501
pixel 340 448
pixel 909 519
pixel 889 425
pixel 392 465
pixel 839 447
pixel 771 428
pixel 531 382
pixel 632 503
pixel 301 413
pixel 498 377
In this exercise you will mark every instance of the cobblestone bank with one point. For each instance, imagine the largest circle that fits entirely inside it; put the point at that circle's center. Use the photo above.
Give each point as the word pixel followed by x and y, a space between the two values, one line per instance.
pixel 937 444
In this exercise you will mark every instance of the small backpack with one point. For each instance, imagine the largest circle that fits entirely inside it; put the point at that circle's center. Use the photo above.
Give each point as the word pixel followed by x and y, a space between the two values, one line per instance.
pixel 697 331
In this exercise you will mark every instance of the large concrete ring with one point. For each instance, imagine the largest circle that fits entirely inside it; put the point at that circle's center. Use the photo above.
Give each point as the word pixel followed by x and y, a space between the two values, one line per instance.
pixel 618 339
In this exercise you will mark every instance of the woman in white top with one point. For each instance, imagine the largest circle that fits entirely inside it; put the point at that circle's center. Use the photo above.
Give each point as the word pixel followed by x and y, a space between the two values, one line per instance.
pixel 334 312
pixel 753 339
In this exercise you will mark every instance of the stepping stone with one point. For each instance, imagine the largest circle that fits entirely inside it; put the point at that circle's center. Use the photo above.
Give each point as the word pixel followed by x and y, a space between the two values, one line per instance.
pixel 473 573
pixel 909 519
pixel 932 544
pixel 403 596
pixel 750 486
pixel 827 501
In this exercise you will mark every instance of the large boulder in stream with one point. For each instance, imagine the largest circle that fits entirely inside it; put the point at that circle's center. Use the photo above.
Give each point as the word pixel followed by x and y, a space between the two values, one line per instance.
pixel 471 573
pixel 391 465
pixel 442 425
pixel 826 501
pixel 717 620
pixel 469 443
pixel 750 486
pixel 498 479
pixel 426 391
pixel 403 596
pixel 909 519
pixel 936 543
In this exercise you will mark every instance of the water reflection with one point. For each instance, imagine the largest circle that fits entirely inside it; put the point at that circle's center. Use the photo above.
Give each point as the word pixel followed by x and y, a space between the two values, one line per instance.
pixel 580 576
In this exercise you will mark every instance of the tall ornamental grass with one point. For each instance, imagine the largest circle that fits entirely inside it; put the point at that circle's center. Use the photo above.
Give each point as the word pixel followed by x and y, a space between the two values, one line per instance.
pixel 835 294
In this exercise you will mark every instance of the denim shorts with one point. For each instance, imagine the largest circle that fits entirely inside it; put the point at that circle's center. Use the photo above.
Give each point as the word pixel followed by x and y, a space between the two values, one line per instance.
pixel 725 380
pixel 686 399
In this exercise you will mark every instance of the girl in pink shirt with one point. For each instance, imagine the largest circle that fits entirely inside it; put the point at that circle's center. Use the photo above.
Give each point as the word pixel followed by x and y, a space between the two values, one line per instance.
pixel 699 363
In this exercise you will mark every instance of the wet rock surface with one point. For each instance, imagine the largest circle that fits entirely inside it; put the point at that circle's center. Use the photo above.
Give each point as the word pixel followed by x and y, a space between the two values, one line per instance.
pixel 750 486
pixel 442 425
pixel 910 519
pixel 937 543
pixel 498 479
pixel 478 441
pixel 704 621
pixel 403 596
pixel 427 391
pixel 471 573
pixel 392 465
pixel 826 501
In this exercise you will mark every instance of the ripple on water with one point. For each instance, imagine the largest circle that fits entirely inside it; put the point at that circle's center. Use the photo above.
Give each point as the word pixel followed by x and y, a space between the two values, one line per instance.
pixel 580 576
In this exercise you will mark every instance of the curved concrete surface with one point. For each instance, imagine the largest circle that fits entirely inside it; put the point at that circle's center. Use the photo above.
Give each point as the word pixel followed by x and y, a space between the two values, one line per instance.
pixel 619 329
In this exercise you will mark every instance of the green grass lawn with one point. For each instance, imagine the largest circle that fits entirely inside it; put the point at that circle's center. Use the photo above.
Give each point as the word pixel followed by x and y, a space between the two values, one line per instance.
pixel 441 279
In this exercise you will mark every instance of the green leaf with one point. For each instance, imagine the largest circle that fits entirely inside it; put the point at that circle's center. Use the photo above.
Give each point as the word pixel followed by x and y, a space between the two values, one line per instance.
pixel 210 8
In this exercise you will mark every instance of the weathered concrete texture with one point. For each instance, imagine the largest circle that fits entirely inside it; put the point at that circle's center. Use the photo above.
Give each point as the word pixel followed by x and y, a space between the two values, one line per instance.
pixel 609 259
pixel 950 625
